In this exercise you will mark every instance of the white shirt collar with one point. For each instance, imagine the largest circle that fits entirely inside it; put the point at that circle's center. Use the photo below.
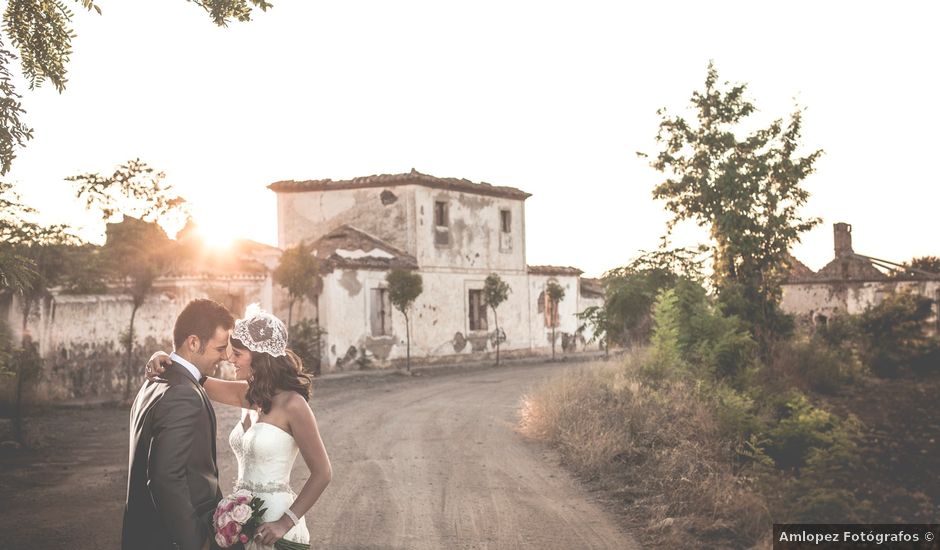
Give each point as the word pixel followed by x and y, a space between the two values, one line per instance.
pixel 189 366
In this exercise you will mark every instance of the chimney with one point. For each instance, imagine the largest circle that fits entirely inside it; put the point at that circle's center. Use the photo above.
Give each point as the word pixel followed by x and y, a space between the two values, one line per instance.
pixel 842 238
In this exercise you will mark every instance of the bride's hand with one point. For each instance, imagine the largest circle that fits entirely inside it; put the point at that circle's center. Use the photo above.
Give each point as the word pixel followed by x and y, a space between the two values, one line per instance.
pixel 157 365
pixel 273 531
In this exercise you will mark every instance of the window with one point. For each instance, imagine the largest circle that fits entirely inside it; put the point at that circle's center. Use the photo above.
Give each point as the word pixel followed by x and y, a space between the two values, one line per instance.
pixel 440 214
pixel 441 231
pixel 551 311
pixel 380 309
pixel 505 221
pixel 505 231
pixel 477 310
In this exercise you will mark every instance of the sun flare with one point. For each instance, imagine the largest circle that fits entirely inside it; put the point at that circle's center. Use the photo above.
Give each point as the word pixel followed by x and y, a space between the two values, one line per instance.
pixel 216 232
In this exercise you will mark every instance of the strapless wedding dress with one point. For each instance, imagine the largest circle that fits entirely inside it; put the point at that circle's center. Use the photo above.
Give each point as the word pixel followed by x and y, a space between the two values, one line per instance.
pixel 265 455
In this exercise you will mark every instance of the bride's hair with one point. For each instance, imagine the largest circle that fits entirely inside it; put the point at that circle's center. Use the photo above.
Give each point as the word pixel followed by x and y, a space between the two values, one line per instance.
pixel 272 374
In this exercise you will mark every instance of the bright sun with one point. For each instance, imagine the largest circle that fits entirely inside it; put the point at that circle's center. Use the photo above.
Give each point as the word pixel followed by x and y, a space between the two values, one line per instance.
pixel 216 231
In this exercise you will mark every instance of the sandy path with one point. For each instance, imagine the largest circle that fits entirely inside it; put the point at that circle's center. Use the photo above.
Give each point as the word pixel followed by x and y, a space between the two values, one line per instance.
pixel 419 463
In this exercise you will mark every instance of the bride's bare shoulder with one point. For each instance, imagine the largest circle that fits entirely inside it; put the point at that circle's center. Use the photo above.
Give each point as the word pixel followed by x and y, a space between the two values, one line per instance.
pixel 289 400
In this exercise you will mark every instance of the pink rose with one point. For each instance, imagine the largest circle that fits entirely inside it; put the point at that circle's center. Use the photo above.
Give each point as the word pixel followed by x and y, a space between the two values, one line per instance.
pixel 221 540
pixel 222 520
pixel 231 529
pixel 229 505
pixel 241 513
pixel 243 538
pixel 241 493
pixel 242 500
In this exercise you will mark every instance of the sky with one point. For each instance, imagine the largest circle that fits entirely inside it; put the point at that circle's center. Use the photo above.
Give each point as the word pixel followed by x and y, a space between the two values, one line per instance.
pixel 554 98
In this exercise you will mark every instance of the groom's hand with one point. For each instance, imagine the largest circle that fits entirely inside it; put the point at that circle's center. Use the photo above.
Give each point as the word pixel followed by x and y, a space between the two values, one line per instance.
pixel 157 365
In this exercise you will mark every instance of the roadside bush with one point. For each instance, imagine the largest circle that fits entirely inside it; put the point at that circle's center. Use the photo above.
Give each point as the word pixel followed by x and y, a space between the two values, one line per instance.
pixel 661 450
pixel 893 335
pixel 665 359
pixel 806 435
pixel 693 339
pixel 813 364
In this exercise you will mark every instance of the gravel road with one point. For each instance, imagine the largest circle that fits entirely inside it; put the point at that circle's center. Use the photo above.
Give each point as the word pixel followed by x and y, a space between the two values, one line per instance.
pixel 422 462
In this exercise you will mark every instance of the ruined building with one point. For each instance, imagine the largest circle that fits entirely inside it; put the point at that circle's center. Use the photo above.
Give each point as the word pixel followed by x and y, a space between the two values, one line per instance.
pixel 452 232
pixel 850 283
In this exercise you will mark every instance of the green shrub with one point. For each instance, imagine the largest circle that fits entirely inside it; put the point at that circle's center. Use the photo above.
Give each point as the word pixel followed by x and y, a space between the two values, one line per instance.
pixel 734 411
pixel 894 336
pixel 664 361
pixel 815 364
pixel 693 339
pixel 803 432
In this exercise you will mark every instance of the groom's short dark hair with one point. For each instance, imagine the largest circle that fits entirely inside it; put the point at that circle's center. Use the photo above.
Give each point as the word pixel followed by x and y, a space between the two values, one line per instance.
pixel 201 317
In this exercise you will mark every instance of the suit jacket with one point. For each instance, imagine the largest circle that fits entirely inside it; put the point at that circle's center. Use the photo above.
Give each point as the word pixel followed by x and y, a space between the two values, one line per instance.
pixel 173 477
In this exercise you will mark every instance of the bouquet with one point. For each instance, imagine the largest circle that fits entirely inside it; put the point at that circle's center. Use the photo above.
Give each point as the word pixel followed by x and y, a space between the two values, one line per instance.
pixel 237 517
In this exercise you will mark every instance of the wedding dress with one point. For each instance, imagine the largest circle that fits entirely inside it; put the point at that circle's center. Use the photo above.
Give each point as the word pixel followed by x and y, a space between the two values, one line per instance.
pixel 265 455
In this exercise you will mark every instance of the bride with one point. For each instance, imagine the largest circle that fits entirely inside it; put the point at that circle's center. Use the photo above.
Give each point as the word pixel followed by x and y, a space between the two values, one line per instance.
pixel 276 422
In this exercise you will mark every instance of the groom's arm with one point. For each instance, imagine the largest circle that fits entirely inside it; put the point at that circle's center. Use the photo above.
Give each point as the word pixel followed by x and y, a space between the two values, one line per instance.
pixel 174 427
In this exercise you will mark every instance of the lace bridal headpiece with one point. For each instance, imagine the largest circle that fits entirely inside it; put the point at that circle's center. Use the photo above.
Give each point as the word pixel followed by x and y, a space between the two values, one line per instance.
pixel 261 332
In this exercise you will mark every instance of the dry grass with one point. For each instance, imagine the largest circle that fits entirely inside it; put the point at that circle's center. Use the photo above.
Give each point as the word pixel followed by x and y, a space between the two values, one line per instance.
pixel 658 451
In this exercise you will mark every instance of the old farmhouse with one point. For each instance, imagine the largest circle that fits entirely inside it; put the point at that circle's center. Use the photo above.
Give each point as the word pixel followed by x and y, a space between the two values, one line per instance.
pixel 451 231
pixel 454 233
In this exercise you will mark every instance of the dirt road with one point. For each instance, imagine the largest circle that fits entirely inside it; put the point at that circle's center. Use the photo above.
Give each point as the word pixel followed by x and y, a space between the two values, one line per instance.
pixel 430 461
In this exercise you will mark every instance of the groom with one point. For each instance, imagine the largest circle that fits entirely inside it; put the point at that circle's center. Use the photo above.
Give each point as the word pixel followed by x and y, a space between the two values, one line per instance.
pixel 173 478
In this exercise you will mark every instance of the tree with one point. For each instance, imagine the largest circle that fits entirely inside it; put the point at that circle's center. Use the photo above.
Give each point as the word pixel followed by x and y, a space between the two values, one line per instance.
pixel 555 294
pixel 45 251
pixel 404 287
pixel 136 254
pixel 137 249
pixel 596 318
pixel 919 267
pixel 630 291
pixel 299 272
pixel 746 191
pixel 495 292
pixel 42 33
pixel 16 271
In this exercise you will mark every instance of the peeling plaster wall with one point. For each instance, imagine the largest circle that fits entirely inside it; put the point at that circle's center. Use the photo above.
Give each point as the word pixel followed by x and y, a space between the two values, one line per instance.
pixel 474 231
pixel 440 318
pixel 569 306
pixel 808 300
pixel 312 214
pixel 79 335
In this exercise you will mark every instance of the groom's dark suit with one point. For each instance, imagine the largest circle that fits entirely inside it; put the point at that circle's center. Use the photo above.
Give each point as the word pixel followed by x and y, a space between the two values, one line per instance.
pixel 173 478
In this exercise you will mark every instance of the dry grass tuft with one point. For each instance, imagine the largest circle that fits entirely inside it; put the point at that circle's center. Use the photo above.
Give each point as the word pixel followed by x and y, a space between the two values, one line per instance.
pixel 659 451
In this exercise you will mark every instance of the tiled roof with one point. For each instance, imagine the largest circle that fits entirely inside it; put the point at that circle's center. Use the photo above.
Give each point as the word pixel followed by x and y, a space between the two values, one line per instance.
pixel 553 270
pixel 348 247
pixel 592 287
pixel 848 267
pixel 798 271
pixel 390 180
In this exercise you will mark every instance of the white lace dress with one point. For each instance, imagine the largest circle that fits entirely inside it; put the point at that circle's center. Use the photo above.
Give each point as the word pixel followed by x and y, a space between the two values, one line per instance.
pixel 265 455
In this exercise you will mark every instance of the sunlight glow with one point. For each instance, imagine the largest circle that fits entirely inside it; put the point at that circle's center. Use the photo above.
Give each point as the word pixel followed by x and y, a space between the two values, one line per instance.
pixel 216 231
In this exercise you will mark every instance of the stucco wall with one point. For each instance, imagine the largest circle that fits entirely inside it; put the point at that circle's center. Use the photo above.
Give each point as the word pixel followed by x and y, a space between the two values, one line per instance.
pixel 312 214
pixel 808 300
pixel 79 336
pixel 541 331
pixel 474 232
pixel 440 317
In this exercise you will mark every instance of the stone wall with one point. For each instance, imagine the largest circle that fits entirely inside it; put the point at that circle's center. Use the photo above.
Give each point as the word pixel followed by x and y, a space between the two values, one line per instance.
pixel 80 336
pixel 812 302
